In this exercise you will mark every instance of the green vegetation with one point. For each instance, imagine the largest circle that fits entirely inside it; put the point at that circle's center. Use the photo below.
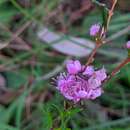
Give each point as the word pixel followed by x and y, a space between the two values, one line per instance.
pixel 27 99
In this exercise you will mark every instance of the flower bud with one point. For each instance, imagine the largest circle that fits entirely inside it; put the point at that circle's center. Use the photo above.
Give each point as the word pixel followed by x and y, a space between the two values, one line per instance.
pixel 128 47
pixel 94 30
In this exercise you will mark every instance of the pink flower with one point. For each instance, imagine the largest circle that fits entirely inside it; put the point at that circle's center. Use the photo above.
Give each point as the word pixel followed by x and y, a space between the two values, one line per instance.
pixel 82 94
pixel 128 45
pixel 94 30
pixel 73 67
pixel 94 82
pixel 79 84
pixel 101 74
pixel 89 70
pixel 95 93
pixel 70 87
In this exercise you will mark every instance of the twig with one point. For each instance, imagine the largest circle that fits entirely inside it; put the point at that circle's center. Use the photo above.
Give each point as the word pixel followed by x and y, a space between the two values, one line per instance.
pixel 110 14
pixel 90 60
pixel 21 30
pixel 99 42
pixel 14 36
pixel 118 68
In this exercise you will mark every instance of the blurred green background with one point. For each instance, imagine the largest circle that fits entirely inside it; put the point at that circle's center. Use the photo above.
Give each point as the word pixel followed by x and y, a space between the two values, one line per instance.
pixel 27 63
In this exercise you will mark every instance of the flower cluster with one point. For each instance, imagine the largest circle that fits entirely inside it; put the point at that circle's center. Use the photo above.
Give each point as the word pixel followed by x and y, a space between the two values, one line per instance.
pixel 80 82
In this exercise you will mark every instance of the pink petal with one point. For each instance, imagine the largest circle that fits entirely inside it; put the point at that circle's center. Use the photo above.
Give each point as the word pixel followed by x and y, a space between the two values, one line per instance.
pixel 101 74
pixel 73 67
pixel 77 65
pixel 82 94
pixel 96 93
pixel 93 83
pixel 89 70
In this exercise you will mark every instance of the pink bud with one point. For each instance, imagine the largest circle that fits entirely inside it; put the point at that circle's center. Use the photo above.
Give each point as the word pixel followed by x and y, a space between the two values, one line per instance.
pixel 128 45
pixel 94 29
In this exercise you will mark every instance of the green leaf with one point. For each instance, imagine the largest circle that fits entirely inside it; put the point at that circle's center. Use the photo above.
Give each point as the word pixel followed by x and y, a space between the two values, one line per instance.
pixel 6 13
pixel 19 110
pixel 72 112
pixel 14 80
pixel 7 114
pixel 61 129
pixel 104 11
pixel 7 127
pixel 104 15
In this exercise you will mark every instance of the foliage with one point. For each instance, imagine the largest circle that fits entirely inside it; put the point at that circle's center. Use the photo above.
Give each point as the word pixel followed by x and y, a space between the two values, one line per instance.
pixel 28 101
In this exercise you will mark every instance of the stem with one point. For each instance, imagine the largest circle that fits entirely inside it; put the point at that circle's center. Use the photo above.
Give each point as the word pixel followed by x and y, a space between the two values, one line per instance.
pixel 111 13
pixel 117 69
pixel 98 45
pixel 90 60
pixel 126 61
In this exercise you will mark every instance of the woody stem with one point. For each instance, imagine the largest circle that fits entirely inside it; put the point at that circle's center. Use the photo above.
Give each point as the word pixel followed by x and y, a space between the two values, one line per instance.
pixel 90 60
pixel 118 68
pixel 110 14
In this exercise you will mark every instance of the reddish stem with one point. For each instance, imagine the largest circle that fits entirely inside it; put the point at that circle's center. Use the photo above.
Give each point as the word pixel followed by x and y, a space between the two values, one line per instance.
pixel 110 13
pixel 90 60
pixel 117 69
pixel 99 43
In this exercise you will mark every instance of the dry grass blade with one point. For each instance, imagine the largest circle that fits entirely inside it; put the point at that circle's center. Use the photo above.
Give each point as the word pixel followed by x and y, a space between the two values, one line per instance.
pixel 14 36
